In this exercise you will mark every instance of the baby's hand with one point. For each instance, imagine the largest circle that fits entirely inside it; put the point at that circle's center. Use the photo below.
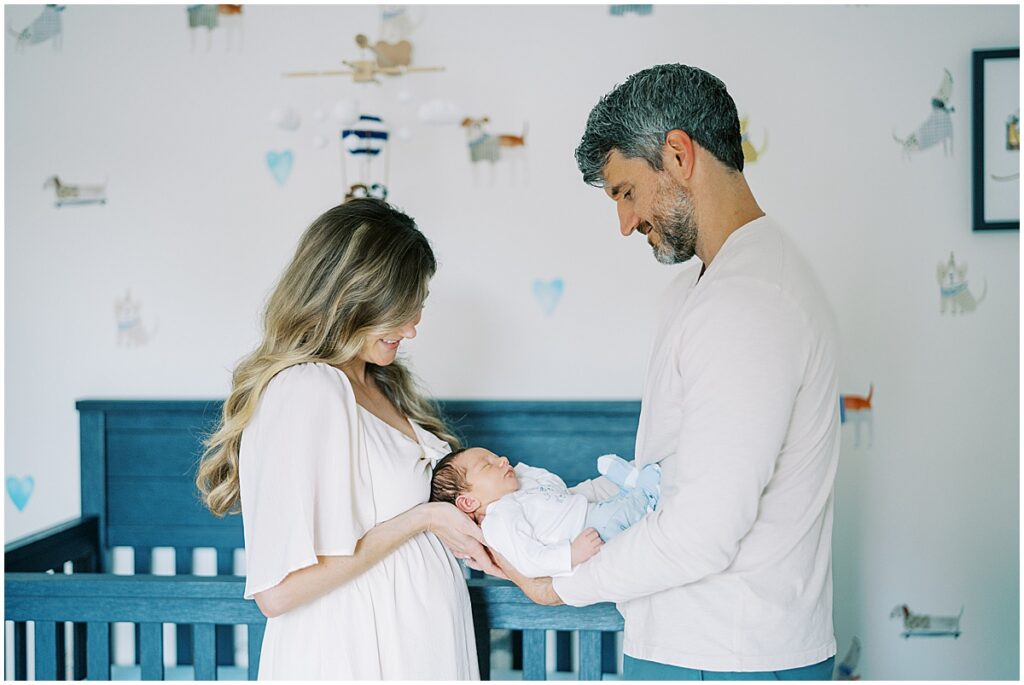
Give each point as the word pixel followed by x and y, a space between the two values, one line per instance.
pixel 585 546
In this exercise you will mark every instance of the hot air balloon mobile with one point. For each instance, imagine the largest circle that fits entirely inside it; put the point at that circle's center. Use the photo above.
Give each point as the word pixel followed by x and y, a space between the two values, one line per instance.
pixel 364 158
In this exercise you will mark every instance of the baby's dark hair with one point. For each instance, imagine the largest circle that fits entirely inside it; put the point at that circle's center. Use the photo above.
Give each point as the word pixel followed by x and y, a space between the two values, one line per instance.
pixel 449 479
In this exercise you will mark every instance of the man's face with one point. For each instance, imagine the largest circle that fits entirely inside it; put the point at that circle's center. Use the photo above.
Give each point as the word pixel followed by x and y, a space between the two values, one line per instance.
pixel 654 204
pixel 489 476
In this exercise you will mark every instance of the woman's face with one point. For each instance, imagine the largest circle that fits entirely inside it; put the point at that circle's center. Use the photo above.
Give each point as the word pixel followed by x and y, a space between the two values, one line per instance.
pixel 382 350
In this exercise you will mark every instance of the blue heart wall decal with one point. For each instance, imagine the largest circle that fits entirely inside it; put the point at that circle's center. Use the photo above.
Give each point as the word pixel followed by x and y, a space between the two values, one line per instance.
pixel 548 294
pixel 280 165
pixel 20 490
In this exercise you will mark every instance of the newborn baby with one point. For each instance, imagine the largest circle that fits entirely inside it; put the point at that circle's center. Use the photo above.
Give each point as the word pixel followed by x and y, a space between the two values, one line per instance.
pixel 529 516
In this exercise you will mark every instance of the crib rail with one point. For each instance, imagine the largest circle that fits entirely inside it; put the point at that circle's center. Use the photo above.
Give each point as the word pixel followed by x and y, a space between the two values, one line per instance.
pixel 203 602
pixel 99 600
pixel 76 541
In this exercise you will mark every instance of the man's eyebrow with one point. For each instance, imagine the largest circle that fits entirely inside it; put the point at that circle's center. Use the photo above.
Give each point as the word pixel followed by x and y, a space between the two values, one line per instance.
pixel 615 190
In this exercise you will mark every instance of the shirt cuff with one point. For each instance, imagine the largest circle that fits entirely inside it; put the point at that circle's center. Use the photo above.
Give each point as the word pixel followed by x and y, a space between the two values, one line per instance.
pixel 576 590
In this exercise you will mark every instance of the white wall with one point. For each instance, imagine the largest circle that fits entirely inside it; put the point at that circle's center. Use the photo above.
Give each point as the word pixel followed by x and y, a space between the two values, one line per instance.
pixel 198 230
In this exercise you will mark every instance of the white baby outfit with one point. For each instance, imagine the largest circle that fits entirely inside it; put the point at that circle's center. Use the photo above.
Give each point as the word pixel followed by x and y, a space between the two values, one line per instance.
pixel 534 526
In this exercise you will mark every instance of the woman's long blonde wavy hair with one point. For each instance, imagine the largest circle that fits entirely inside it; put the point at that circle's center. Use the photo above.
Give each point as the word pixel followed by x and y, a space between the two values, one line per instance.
pixel 360 271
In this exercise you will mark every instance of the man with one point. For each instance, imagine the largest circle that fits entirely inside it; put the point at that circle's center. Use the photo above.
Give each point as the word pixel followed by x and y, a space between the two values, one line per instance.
pixel 731 576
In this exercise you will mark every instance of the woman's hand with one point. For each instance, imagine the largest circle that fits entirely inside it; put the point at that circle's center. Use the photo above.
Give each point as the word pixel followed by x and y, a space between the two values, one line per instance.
pixel 461 535
pixel 540 590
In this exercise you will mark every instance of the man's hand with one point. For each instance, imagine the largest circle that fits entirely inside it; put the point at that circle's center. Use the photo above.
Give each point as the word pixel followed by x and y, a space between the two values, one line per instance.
pixel 584 546
pixel 540 590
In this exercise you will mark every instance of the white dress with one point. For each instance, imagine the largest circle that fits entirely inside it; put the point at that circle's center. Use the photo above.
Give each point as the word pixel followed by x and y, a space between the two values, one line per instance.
pixel 316 473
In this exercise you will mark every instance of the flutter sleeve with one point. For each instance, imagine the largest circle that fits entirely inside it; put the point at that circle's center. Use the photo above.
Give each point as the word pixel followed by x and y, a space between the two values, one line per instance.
pixel 305 487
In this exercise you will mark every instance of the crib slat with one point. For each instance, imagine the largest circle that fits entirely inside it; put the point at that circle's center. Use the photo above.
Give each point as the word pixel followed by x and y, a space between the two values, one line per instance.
pixel 183 567
pixel 563 650
pixel 590 655
pixel 152 651
pixel 205 640
pixel 80 641
pixel 98 659
pixel 143 566
pixel 46 650
pixel 482 635
pixel 225 634
pixel 255 644
pixel 609 653
pixel 60 650
pixel 20 650
pixel 534 655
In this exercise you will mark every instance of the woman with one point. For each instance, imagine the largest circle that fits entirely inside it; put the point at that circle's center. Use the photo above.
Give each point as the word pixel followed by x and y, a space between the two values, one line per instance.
pixel 328 447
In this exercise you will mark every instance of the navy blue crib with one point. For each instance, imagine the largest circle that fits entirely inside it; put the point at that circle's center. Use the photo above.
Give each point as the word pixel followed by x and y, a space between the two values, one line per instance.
pixel 138 460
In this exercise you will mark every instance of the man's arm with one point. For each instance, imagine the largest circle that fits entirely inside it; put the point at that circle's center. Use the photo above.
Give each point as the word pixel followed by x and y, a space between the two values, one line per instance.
pixel 740 368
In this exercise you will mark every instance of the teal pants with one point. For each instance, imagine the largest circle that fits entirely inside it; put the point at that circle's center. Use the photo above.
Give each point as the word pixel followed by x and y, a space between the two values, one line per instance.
pixel 640 669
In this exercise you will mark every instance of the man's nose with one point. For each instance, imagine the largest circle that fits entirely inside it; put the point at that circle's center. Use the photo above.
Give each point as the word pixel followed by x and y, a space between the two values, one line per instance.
pixel 628 220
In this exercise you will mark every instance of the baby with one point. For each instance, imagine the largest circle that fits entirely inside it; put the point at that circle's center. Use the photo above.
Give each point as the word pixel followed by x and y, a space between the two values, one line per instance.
pixel 529 516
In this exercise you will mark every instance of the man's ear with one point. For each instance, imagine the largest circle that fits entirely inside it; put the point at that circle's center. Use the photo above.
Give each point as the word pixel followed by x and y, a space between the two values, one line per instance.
pixel 467 504
pixel 678 154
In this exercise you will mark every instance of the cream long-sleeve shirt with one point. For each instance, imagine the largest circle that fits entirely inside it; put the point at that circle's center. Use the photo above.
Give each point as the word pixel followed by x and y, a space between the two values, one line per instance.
pixel 733 571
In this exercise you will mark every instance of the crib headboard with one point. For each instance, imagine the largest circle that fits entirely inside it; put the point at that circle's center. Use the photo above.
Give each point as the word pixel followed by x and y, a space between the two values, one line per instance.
pixel 139 459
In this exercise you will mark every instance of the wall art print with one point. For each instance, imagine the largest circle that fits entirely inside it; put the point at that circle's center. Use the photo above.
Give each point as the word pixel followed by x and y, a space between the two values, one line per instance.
pixel 995 149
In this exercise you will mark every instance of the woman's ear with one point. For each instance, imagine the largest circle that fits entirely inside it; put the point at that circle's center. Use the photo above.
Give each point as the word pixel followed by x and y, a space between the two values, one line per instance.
pixel 467 504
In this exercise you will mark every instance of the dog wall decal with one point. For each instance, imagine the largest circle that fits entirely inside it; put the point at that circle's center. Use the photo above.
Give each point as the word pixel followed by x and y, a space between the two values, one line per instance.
pixel 750 153
pixel 77 194
pixel 955 295
pixel 487 147
pixel 212 16
pixel 856 410
pixel 938 127
pixel 47 26
pixel 847 669
pixel 130 332
pixel 923 625
pixel 623 10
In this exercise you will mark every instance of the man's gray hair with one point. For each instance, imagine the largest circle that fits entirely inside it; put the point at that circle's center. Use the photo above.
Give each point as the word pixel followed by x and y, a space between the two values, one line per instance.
pixel 635 117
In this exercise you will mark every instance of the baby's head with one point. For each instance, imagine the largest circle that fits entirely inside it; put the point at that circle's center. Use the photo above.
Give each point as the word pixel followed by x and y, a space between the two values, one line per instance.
pixel 472 478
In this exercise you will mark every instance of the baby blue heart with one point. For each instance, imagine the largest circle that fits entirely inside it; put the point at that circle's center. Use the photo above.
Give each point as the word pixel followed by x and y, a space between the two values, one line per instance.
pixel 280 164
pixel 20 489
pixel 548 293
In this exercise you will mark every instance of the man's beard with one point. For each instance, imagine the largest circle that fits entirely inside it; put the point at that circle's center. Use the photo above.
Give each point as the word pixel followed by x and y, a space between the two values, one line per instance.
pixel 675 222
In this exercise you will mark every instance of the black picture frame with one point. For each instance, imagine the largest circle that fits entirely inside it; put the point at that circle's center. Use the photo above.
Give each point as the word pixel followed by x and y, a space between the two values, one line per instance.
pixel 983 178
